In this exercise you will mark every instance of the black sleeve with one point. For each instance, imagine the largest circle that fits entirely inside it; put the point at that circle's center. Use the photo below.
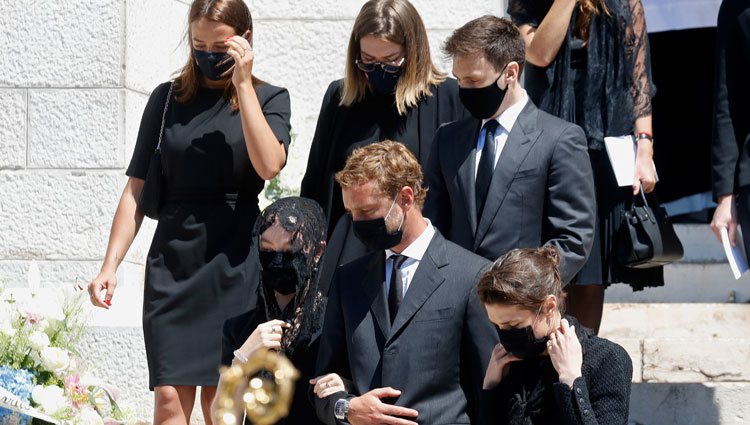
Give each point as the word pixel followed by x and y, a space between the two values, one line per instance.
pixel 479 340
pixel 148 133
pixel 571 202
pixel 525 12
pixel 725 150
pixel 277 110
pixel 314 185
pixel 606 400
pixel 332 355
pixel 437 205
pixel 228 345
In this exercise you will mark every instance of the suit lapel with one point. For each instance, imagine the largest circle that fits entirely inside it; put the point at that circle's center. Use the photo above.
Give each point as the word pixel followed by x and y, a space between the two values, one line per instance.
pixel 465 156
pixel 520 140
pixel 375 292
pixel 426 280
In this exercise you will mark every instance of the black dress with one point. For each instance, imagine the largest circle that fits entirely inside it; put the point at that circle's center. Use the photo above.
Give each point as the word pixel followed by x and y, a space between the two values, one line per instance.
pixel 340 130
pixel 603 85
pixel 202 266
pixel 238 329
pixel 532 394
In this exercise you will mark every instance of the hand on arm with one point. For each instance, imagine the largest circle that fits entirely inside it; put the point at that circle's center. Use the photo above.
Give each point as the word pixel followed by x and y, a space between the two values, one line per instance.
pixel 368 409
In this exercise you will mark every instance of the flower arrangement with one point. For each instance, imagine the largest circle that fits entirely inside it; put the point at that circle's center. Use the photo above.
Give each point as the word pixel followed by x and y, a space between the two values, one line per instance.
pixel 41 373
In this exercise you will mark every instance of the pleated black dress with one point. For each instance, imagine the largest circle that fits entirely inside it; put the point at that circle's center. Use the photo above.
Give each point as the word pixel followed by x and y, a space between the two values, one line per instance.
pixel 202 267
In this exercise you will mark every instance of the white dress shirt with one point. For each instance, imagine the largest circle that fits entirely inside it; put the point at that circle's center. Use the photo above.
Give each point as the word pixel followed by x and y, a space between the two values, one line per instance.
pixel 414 252
pixel 506 120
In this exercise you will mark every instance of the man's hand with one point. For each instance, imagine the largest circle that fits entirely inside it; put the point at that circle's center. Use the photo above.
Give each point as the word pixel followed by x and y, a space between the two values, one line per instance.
pixel 367 409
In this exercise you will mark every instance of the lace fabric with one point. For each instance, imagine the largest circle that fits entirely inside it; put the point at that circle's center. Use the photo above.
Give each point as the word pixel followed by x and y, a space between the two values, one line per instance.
pixel 618 70
pixel 304 219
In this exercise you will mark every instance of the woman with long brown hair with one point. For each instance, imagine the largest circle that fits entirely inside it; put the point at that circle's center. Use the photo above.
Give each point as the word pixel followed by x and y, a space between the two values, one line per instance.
pixel 391 90
pixel 223 133
pixel 588 63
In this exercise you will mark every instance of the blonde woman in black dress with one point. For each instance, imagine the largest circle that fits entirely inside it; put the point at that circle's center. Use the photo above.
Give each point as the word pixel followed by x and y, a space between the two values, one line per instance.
pixel 225 133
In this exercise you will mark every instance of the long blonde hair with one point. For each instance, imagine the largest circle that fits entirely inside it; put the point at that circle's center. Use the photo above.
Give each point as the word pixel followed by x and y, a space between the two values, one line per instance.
pixel 587 9
pixel 398 22
pixel 230 12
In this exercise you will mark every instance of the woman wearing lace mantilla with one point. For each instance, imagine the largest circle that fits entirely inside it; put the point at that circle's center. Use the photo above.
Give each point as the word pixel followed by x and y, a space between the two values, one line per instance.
pixel 588 63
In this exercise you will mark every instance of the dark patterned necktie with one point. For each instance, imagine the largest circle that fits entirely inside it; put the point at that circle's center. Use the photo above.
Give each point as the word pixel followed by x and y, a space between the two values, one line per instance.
pixel 486 165
pixel 396 291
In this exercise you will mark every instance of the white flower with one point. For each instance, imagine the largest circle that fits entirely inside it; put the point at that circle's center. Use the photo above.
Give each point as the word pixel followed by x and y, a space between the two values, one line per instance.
pixel 38 340
pixel 49 398
pixel 6 328
pixel 88 416
pixel 55 359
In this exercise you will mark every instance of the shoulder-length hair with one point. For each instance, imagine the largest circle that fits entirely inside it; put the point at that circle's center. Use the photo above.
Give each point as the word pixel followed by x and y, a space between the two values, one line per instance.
pixel 398 22
pixel 234 13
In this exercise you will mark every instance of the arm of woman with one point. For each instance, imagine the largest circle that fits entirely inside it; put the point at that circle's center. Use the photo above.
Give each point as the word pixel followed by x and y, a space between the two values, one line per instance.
pixel 544 41
pixel 637 51
pixel 125 225
pixel 313 183
pixel 128 217
pixel 605 399
pixel 267 155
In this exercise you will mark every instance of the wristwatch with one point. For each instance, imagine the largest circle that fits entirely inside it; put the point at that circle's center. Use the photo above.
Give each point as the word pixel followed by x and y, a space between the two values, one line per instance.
pixel 341 409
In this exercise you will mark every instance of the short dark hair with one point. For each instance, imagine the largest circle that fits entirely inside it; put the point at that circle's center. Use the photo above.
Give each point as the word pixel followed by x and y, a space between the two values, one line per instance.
pixel 523 277
pixel 497 38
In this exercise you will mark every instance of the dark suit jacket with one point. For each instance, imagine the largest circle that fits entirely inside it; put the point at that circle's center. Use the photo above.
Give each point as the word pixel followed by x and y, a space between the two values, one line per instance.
pixel 435 353
pixel 731 144
pixel 542 190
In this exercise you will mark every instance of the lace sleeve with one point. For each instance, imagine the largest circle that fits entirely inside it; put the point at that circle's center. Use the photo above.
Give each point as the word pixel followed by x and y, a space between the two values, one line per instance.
pixel 638 56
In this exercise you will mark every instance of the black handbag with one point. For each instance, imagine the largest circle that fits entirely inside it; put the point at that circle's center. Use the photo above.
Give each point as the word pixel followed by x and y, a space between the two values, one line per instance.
pixel 646 237
pixel 152 195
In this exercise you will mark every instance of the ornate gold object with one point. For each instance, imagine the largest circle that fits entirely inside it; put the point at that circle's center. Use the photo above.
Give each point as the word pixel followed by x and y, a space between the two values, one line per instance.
pixel 264 399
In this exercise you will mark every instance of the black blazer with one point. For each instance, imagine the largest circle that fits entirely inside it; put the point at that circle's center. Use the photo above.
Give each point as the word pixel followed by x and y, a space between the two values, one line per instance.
pixel 435 353
pixel 730 150
pixel 532 394
pixel 542 190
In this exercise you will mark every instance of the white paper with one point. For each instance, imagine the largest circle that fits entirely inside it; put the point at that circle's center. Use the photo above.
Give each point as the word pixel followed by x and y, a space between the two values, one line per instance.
pixel 15 404
pixel 735 254
pixel 621 151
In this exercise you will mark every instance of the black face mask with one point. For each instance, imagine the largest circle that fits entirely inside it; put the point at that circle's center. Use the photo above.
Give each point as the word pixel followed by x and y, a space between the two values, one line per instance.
pixel 521 342
pixel 278 271
pixel 383 83
pixel 374 233
pixel 483 102
pixel 210 63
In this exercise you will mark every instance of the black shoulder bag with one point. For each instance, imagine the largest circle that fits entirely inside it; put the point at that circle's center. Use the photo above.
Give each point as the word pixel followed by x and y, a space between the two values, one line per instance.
pixel 646 237
pixel 152 195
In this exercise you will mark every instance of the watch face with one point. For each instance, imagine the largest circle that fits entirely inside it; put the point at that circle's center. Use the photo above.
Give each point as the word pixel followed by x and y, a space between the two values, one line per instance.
pixel 340 409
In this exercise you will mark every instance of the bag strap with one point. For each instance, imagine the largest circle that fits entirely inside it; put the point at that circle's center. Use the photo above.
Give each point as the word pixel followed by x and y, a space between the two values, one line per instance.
pixel 164 116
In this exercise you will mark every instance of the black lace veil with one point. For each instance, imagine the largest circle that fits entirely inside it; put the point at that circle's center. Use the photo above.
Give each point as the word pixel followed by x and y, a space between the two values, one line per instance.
pixel 304 219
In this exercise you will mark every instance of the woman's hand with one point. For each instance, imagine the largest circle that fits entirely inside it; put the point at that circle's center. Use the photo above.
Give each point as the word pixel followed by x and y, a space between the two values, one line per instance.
pixel 242 53
pixel 498 367
pixel 266 335
pixel 645 173
pixel 565 352
pixel 328 384
pixel 106 280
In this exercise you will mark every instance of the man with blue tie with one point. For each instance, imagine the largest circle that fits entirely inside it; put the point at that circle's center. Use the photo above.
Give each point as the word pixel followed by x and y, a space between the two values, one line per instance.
pixel 403 326
pixel 511 176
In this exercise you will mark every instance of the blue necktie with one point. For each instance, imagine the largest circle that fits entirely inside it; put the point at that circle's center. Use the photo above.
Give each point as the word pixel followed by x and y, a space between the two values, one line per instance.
pixel 486 165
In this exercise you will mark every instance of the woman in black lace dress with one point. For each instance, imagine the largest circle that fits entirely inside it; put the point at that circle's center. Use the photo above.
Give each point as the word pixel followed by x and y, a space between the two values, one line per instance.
pixel 588 63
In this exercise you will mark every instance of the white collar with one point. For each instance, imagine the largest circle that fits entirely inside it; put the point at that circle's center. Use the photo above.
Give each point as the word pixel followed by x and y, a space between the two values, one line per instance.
pixel 417 249
pixel 510 115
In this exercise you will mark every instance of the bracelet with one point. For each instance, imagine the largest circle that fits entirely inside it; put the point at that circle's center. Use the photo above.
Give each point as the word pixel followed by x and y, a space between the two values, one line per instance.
pixel 644 135
pixel 239 356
